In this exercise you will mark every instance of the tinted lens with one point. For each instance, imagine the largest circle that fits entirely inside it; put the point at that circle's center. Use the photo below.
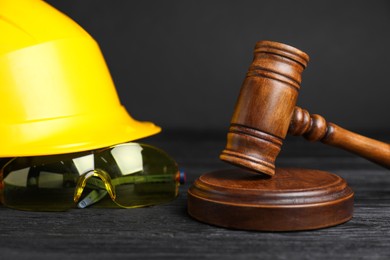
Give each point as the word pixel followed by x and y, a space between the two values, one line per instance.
pixel 142 175
pixel 134 175
pixel 44 183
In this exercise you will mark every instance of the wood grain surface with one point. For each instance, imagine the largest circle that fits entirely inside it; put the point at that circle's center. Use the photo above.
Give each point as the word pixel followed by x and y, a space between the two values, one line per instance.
pixel 167 232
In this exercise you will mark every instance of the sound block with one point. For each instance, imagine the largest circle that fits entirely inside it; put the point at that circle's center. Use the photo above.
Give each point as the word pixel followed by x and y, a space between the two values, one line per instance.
pixel 291 200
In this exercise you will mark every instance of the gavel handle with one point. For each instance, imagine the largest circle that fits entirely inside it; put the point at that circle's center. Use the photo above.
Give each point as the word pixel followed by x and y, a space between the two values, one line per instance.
pixel 315 128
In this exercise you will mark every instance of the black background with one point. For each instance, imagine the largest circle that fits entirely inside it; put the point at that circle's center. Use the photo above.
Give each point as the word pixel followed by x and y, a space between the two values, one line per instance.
pixel 180 64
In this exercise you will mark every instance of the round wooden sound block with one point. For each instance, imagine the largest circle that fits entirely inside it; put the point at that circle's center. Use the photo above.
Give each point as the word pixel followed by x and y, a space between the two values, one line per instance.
pixel 293 199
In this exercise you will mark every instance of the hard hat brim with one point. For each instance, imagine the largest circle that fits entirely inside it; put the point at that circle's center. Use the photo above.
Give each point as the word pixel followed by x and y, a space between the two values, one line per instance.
pixel 72 134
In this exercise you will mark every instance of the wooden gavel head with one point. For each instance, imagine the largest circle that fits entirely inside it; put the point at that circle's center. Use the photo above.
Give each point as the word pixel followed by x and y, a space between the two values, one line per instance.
pixel 265 106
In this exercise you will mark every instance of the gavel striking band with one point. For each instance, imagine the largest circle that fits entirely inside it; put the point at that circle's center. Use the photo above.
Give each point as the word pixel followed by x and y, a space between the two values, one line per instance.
pixel 265 112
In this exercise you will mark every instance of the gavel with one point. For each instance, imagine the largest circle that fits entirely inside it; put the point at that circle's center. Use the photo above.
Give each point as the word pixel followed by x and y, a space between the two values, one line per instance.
pixel 266 111
pixel 294 198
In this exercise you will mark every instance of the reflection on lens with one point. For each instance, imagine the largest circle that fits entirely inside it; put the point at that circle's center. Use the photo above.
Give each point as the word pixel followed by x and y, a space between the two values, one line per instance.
pixel 141 174
pixel 39 185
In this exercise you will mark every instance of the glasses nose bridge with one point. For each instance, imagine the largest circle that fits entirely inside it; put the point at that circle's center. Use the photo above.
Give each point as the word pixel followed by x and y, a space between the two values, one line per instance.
pixel 102 175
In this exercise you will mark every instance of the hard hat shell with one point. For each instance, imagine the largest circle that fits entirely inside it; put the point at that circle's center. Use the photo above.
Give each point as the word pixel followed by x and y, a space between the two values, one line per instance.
pixel 56 93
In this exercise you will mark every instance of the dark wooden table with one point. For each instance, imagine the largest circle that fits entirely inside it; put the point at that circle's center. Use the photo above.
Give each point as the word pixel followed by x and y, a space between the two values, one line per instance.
pixel 167 232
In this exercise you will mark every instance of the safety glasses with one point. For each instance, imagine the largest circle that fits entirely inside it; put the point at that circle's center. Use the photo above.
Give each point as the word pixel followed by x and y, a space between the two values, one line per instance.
pixel 127 175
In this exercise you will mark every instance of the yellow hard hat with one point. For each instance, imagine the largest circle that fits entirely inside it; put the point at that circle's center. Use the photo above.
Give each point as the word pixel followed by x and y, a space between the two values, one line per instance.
pixel 56 93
